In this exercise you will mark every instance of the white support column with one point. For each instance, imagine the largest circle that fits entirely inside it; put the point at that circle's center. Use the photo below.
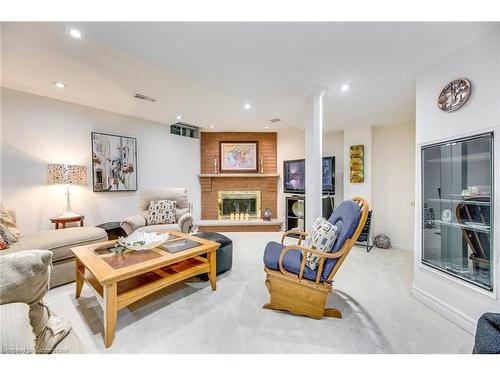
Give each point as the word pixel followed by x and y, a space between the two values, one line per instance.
pixel 314 153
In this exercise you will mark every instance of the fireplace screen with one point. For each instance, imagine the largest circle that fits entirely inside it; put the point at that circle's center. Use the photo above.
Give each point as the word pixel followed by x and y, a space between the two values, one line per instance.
pixel 233 203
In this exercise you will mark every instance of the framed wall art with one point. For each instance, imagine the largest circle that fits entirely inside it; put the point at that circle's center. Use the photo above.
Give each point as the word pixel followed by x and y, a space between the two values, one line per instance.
pixel 238 157
pixel 114 162
pixel 357 164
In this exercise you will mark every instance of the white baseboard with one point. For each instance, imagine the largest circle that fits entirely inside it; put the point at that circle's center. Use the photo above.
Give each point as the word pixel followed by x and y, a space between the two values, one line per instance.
pixel 453 315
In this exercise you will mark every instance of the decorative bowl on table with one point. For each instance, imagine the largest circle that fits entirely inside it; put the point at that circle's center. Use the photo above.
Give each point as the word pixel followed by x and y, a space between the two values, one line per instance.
pixel 143 240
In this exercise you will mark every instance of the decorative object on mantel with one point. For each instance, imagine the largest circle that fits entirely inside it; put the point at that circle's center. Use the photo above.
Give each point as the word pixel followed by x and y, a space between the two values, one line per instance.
pixel 267 214
pixel 454 95
pixel 114 162
pixel 261 165
pixel 357 164
pixel 382 241
pixel 238 156
pixel 216 167
pixel 70 175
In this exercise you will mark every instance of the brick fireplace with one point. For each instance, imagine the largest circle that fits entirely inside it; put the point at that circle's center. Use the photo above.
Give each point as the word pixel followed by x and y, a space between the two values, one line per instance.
pixel 238 193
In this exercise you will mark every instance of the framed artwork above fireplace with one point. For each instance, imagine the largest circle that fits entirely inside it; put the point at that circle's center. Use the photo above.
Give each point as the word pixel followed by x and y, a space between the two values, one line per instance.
pixel 238 157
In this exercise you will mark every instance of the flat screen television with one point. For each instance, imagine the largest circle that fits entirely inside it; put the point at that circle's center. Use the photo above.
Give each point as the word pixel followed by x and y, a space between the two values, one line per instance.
pixel 294 175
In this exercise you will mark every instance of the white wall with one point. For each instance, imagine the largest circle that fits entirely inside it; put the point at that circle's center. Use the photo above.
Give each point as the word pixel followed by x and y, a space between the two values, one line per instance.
pixel 394 183
pixel 37 130
pixel 479 61
pixel 358 136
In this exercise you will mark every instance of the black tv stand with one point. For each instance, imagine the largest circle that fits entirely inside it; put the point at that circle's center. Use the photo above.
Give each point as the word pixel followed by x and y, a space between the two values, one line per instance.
pixel 298 222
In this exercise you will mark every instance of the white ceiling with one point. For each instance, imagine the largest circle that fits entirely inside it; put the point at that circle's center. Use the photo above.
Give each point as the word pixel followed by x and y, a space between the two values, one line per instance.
pixel 207 71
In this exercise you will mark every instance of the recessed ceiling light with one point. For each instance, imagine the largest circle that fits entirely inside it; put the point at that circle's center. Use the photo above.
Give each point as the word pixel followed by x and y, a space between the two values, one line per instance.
pixel 59 84
pixel 344 87
pixel 179 117
pixel 266 127
pixel 74 33
pixel 247 106
pixel 212 126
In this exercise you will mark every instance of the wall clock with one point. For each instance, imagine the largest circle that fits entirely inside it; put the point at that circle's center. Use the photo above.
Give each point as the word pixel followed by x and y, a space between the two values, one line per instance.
pixel 454 95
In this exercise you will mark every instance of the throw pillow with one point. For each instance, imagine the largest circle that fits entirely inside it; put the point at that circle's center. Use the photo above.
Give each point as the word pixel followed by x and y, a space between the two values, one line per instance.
pixel 3 243
pixel 25 278
pixel 8 221
pixel 6 237
pixel 161 212
pixel 322 238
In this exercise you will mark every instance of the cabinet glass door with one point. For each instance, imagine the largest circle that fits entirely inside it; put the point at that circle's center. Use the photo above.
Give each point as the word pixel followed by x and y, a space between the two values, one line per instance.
pixel 457 214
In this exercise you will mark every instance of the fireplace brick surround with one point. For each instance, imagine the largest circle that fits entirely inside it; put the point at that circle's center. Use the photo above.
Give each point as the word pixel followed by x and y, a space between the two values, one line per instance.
pixel 212 184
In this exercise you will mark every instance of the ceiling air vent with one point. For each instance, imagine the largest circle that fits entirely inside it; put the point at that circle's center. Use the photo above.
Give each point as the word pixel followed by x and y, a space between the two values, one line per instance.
pixel 275 119
pixel 144 97
pixel 185 130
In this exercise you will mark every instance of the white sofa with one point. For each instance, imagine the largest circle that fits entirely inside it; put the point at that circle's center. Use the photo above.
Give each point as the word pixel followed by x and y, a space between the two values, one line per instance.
pixel 183 215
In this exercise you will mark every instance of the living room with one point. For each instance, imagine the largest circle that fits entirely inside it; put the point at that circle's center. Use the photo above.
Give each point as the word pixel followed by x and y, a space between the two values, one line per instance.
pixel 198 187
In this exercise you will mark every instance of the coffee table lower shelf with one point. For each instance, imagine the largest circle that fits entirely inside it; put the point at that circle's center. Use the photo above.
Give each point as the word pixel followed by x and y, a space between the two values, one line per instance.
pixel 137 287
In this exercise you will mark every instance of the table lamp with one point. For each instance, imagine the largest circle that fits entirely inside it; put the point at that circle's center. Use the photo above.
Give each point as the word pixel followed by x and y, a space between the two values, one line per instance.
pixel 70 175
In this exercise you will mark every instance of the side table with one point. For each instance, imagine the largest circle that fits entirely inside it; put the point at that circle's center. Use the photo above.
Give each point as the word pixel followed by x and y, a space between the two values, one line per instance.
pixel 60 222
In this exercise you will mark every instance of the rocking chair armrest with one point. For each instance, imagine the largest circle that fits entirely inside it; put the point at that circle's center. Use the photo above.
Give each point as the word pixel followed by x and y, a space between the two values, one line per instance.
pixel 300 233
pixel 304 251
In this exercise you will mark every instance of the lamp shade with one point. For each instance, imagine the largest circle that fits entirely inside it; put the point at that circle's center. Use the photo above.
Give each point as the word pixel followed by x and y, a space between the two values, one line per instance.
pixel 66 174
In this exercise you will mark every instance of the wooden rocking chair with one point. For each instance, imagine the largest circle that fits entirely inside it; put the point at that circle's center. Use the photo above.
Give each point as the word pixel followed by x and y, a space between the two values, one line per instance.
pixel 295 288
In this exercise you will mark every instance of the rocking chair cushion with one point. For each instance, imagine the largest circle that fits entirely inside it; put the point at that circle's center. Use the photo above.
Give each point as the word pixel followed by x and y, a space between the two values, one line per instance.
pixel 346 217
pixel 292 261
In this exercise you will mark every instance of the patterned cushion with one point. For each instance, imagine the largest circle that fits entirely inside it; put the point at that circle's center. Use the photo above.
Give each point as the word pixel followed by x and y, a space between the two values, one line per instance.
pixel 161 212
pixel 3 243
pixel 6 237
pixel 9 224
pixel 321 238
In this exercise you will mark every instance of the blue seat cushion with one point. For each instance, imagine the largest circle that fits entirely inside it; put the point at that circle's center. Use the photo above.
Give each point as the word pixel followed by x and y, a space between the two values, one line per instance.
pixel 346 217
pixel 291 261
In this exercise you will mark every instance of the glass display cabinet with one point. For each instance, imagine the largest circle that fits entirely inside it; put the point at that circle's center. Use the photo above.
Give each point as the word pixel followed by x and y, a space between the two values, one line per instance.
pixel 457 208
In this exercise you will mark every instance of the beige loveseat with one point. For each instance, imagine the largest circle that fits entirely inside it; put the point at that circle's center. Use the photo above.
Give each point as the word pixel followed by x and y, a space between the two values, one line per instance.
pixel 183 216
pixel 59 242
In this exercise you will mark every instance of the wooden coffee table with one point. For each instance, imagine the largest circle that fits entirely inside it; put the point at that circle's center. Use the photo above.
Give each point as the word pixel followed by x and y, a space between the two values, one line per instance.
pixel 119 280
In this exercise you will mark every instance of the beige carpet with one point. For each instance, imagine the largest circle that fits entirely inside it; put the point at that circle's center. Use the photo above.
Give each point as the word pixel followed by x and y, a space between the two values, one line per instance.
pixel 372 291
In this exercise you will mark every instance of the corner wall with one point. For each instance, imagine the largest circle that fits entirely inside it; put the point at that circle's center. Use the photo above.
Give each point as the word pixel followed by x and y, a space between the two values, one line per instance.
pixel 394 183
pixel 37 130
pixel 478 61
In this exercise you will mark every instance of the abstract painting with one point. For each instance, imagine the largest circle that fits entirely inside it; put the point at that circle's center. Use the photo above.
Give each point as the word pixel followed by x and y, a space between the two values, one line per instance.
pixel 357 164
pixel 238 156
pixel 114 162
